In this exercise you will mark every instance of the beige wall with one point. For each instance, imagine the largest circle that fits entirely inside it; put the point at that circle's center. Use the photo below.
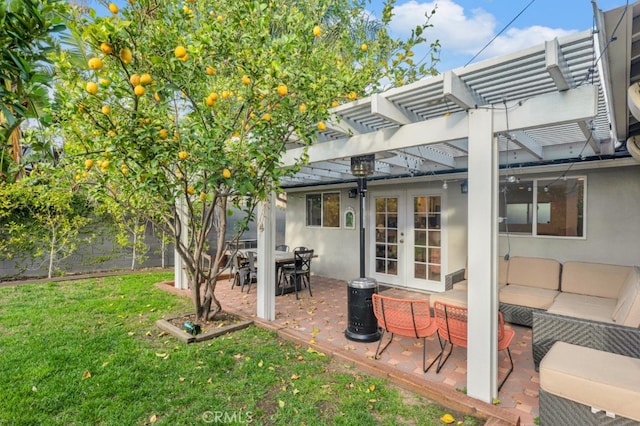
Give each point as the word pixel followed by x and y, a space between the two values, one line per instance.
pixel 612 234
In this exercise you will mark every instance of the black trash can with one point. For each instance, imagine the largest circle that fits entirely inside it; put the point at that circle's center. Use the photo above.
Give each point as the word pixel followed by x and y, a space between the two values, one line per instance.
pixel 362 325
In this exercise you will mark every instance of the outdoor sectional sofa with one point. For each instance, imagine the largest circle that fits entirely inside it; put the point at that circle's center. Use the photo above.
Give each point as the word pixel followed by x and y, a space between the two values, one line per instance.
pixel 583 303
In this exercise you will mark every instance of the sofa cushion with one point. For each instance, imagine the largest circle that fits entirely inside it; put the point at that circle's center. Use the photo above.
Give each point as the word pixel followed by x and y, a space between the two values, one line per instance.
pixel 594 378
pixel 534 272
pixel 627 310
pixel 456 297
pixel 582 306
pixel 593 279
pixel 460 285
pixel 532 297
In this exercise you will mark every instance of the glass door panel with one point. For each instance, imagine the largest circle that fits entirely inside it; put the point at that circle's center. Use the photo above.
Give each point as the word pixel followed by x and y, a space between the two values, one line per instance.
pixel 386 251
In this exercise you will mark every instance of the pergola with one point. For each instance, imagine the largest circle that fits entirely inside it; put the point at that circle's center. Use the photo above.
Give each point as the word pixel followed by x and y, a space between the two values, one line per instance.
pixel 558 103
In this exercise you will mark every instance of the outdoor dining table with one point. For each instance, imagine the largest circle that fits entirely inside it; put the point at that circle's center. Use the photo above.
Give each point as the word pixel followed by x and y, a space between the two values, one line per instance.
pixel 282 258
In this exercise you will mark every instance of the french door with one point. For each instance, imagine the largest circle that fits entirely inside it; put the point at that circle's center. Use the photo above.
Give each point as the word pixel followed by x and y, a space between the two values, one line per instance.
pixel 406 235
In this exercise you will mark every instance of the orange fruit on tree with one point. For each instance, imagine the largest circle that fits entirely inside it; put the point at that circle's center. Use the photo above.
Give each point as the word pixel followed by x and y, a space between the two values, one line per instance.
pixel 335 104
pixel 180 51
pixel 317 31
pixel 157 97
pixel 210 102
pixel 203 196
pixel 282 89
pixel 219 18
pixel 106 48
pixel 191 190
pixel 92 88
pixel 352 96
pixel 106 109
pixel 364 47
pixel 125 55
pixel 183 155
pixel 139 90
pixel 266 116
pixel 88 163
pixel 213 96
pixel 145 78
pixel 164 134
pixel 302 108
pixel 113 8
pixel 111 134
pixel 322 126
pixel 184 58
pixel 95 64
pixel 134 79
pixel 246 80
pixel 226 173
pixel 211 70
pixel 124 168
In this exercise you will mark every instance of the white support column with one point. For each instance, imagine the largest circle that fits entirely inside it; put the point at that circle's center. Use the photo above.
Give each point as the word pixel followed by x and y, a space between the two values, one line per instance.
pixel 482 251
pixel 266 298
pixel 180 279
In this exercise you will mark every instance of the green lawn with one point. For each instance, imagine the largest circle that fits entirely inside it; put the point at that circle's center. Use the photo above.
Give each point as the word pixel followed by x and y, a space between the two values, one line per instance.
pixel 88 352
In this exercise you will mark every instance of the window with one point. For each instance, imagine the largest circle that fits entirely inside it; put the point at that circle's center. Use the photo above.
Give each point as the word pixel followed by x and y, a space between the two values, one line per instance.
pixel 543 207
pixel 323 209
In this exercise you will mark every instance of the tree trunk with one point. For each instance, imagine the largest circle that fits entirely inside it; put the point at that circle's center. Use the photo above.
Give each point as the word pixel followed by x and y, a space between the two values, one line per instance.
pixel 52 253
pixel 135 244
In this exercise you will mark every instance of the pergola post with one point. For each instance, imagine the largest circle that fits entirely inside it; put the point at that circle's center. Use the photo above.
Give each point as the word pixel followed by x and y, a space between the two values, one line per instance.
pixel 482 254
pixel 266 293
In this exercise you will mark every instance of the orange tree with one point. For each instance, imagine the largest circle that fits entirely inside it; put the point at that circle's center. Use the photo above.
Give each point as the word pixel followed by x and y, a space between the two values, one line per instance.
pixel 170 108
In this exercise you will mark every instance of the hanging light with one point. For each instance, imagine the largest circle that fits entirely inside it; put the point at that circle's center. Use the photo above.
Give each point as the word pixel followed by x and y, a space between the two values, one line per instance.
pixel 363 165
pixel 445 185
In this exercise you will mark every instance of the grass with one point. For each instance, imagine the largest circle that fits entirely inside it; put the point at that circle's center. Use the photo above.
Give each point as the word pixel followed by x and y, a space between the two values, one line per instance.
pixel 88 352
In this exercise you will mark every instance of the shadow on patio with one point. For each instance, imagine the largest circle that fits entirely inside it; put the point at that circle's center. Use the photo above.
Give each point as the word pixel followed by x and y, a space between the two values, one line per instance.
pixel 322 319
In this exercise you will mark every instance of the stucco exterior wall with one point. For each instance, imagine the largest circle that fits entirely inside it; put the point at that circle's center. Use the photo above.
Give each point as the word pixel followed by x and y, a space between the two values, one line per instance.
pixel 613 223
pixel 612 232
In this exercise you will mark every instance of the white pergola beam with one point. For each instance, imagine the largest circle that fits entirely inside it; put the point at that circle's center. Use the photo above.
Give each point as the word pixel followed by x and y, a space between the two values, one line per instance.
pixel 589 136
pixel 461 145
pixel 549 109
pixel 433 155
pixel 556 65
pixel 458 92
pixel 526 142
pixel 312 170
pixel 387 110
pixel 344 126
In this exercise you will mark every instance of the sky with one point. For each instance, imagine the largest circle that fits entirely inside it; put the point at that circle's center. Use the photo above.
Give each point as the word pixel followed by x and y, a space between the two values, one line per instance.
pixel 464 27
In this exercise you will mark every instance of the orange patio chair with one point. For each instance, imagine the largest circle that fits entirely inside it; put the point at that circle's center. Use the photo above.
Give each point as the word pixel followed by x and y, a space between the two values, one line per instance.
pixel 451 321
pixel 404 317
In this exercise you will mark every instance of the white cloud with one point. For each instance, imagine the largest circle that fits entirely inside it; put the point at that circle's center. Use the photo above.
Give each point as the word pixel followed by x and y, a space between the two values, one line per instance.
pixel 464 32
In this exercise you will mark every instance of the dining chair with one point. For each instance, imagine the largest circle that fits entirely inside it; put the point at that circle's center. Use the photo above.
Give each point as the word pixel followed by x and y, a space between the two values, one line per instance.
pixel 239 270
pixel 407 318
pixel 282 247
pixel 452 329
pixel 253 271
pixel 299 272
